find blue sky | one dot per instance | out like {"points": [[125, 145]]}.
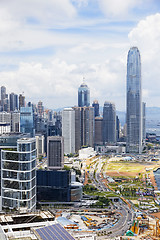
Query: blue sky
{"points": [[46, 47]]}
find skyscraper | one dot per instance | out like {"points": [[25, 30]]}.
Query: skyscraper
{"points": [[95, 104], [3, 96], [21, 101], [26, 121], [98, 131], [40, 109], [18, 189], [109, 123], [84, 127], [144, 121], [134, 102], [68, 130], [83, 96], [55, 152], [13, 98]]}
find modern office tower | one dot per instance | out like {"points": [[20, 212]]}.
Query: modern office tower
{"points": [[134, 102], [78, 127], [5, 117], [144, 121], [15, 121], [21, 101], [13, 99], [26, 121], [54, 185], [84, 127], [18, 172], [117, 128], [40, 144], [50, 115], [40, 109], [3, 96], [5, 122], [55, 152], [68, 130], [109, 123], [98, 130], [6, 105], [9, 140], [95, 104], [83, 96], [88, 124]]}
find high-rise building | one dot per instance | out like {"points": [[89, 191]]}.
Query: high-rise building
{"points": [[78, 127], [109, 123], [3, 96], [84, 127], [21, 101], [88, 126], [40, 144], [134, 102], [18, 172], [50, 115], [144, 120], [5, 117], [26, 121], [98, 130], [117, 128], [54, 185], [55, 152], [40, 109], [95, 104], [13, 98], [83, 96], [15, 121], [68, 130], [5, 122]]}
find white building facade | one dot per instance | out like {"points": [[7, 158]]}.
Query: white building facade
{"points": [[18, 176], [40, 145], [68, 130]]}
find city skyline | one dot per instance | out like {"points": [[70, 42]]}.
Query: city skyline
{"points": [[47, 51]]}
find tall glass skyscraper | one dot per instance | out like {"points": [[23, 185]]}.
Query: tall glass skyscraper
{"points": [[27, 121], [83, 96], [109, 123], [134, 102]]}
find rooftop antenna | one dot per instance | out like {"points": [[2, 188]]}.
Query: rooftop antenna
{"points": [[83, 79]]}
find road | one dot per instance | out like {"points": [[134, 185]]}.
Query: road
{"points": [[127, 214]]}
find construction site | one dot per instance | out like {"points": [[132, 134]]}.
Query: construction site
{"points": [[80, 224], [144, 227]]}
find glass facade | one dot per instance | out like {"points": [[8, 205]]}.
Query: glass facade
{"points": [[26, 121], [134, 102], [83, 96], [18, 170], [53, 185], [109, 123]]}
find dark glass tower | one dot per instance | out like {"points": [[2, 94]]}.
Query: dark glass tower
{"points": [[109, 123], [27, 121], [95, 104], [134, 101], [13, 98], [83, 96]]}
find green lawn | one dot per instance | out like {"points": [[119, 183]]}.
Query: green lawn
{"points": [[124, 167]]}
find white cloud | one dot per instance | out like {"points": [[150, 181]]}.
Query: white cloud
{"points": [[118, 7], [80, 3], [42, 11], [58, 83]]}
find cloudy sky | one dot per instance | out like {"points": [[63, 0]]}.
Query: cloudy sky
{"points": [[48, 46]]}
